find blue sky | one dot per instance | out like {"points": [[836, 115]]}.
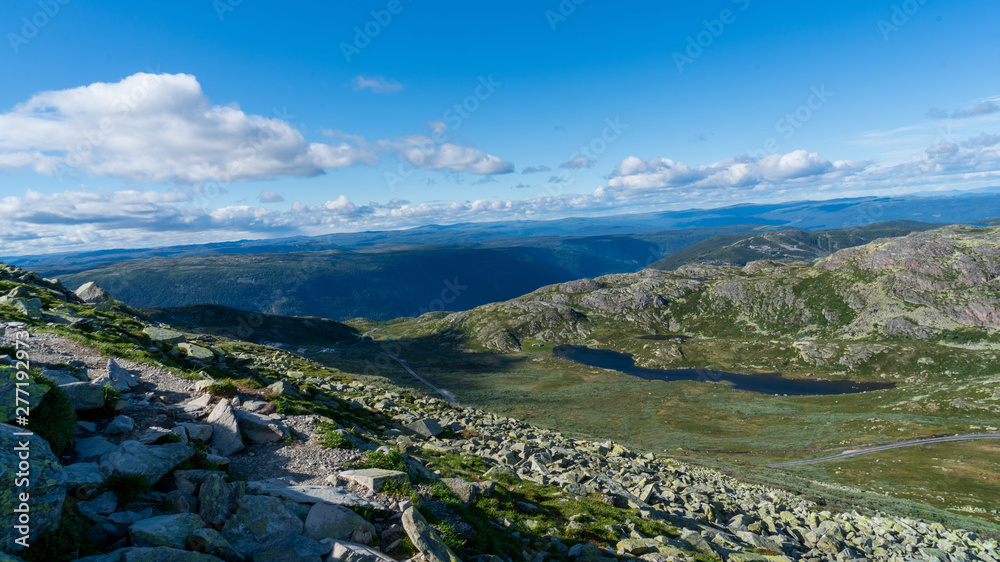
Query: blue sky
{"points": [[225, 120]]}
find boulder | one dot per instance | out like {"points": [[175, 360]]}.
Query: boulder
{"points": [[313, 494], [90, 293], [374, 478], [193, 351], [344, 551], [84, 395], [98, 507], [90, 447], [32, 308], [426, 539], [291, 547], [189, 481], [33, 392], [163, 335], [210, 541], [259, 520], [334, 522], [120, 378], [144, 554], [217, 499], [165, 530], [82, 473], [258, 428], [283, 388], [198, 431], [426, 428], [465, 491], [119, 425], [45, 484], [151, 461], [225, 429]]}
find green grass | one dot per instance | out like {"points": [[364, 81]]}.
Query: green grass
{"points": [[391, 460]]}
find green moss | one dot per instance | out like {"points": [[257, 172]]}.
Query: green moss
{"points": [[54, 419]]}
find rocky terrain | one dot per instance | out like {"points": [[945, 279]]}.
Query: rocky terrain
{"points": [[152, 443], [924, 285]]}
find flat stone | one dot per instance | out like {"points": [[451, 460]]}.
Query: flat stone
{"points": [[96, 508], [154, 462], [90, 447], [81, 473], [292, 548], [193, 351], [119, 425], [374, 478], [313, 494], [344, 551], [166, 530], [163, 335], [85, 395]]}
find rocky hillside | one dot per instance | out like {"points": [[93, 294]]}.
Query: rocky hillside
{"points": [[150, 443], [935, 284]]}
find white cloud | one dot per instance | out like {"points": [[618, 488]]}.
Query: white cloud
{"points": [[536, 169], [429, 154], [159, 128], [577, 163], [982, 108], [270, 197], [376, 84], [78, 220]]}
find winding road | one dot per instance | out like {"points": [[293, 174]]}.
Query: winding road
{"points": [[444, 393], [872, 449]]}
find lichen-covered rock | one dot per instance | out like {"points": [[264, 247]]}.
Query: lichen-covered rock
{"points": [[163, 335], [40, 476], [217, 499], [197, 352], [31, 394], [84, 395], [210, 541], [165, 530]]}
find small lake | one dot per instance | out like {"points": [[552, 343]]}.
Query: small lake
{"points": [[765, 383]]}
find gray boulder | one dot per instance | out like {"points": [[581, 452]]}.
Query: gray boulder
{"points": [[163, 335], [33, 393], [81, 473], [344, 551], [197, 431], [119, 425], [152, 461], [426, 428], [258, 428], [165, 530], [84, 395], [334, 522], [145, 554], [225, 429], [259, 520], [292, 547], [90, 447], [120, 378], [426, 539], [90, 293], [210, 541], [98, 507], [217, 499], [46, 486]]}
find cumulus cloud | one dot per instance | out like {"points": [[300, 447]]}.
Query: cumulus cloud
{"points": [[577, 163], [536, 169], [428, 153], [160, 128], [270, 197], [376, 84], [163, 128], [77, 220]]}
